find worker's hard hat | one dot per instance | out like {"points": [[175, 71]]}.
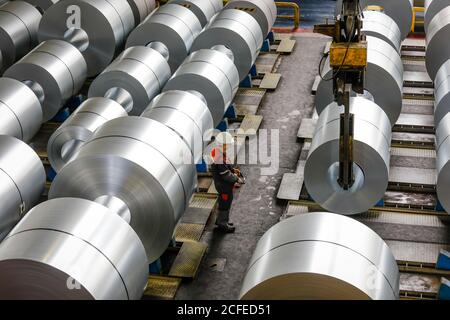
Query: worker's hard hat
{"points": [[224, 138]]}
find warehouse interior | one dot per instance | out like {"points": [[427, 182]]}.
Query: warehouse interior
{"points": [[332, 118]]}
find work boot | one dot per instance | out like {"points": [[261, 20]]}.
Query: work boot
{"points": [[227, 228], [222, 217]]}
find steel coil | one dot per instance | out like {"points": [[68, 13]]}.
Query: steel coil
{"points": [[22, 180], [173, 25], [384, 79], [438, 46], [371, 156], [321, 256], [204, 10], [379, 25], [442, 93], [115, 162], [432, 8], [399, 10], [185, 113], [264, 12], [20, 110], [42, 5], [19, 22], [443, 161], [79, 128], [57, 68], [211, 73], [236, 30], [141, 71], [94, 254], [141, 9], [104, 26]]}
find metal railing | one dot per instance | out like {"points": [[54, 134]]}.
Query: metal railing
{"points": [[415, 11]]}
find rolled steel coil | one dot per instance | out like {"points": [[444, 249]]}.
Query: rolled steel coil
{"points": [[187, 114], [371, 156], [153, 177], [57, 68], [42, 5], [443, 161], [79, 128], [20, 110], [321, 256], [94, 254], [213, 74], [239, 32], [379, 25], [103, 28], [442, 93], [264, 11], [19, 22], [173, 25], [203, 9], [383, 79], [141, 71], [432, 8], [141, 9], [399, 10], [438, 46], [22, 180]]}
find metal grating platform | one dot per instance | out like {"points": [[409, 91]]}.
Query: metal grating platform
{"points": [[401, 218], [250, 125], [410, 152], [426, 253], [414, 176], [162, 287], [265, 63], [188, 232], [203, 201], [247, 101], [188, 260]]}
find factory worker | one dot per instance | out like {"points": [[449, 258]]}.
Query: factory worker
{"points": [[226, 176]]}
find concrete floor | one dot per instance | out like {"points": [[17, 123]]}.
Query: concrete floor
{"points": [[255, 209]]}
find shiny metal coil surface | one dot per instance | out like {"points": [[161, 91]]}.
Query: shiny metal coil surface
{"points": [[141, 71], [443, 161], [438, 46], [211, 73], [186, 114], [371, 156], [19, 22], [380, 25], [321, 256], [22, 180], [173, 25], [79, 128], [104, 27], [239, 32], [384, 79], [204, 10], [72, 249], [399, 10], [264, 11], [126, 158], [57, 67], [432, 8], [20, 110]]}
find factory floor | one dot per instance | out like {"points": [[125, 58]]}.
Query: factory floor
{"points": [[255, 208]]}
